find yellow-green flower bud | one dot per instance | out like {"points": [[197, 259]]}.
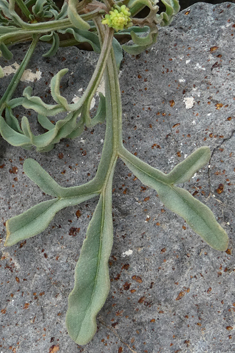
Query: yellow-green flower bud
{"points": [[118, 18]]}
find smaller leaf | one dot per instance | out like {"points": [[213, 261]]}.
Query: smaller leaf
{"points": [[13, 137], [30, 223], [77, 131], [5, 52], [12, 121], [172, 8], [36, 103], [101, 111], [136, 49], [196, 214], [36, 219], [55, 89], [63, 12], [74, 17], [15, 102], [46, 37], [4, 7], [84, 37], [40, 177], [118, 52], [186, 169], [54, 46], [26, 128], [45, 122], [38, 7], [136, 29], [143, 41]]}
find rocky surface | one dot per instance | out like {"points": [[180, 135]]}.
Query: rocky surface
{"points": [[170, 292]]}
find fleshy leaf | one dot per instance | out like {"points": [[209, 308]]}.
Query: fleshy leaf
{"points": [[26, 128], [172, 8], [38, 7], [136, 49], [77, 131], [117, 52], [36, 103], [5, 52], [74, 17], [186, 169], [40, 177], [55, 89], [101, 111], [91, 274], [36, 219], [196, 214], [12, 121], [54, 46], [13, 137], [45, 122], [84, 37]]}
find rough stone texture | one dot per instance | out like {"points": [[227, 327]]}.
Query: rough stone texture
{"points": [[170, 292]]}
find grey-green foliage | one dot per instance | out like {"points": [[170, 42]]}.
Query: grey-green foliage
{"points": [[91, 274]]}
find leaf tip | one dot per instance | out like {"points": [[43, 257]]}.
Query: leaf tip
{"points": [[7, 242]]}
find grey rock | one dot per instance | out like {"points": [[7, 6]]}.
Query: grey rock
{"points": [[170, 292]]}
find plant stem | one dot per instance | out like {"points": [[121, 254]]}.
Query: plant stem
{"points": [[17, 76], [113, 134], [99, 70], [23, 8]]}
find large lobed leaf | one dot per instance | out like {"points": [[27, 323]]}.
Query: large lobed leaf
{"points": [[92, 275], [196, 214]]}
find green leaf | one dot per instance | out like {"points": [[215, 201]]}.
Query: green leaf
{"points": [[196, 214], [33, 221], [15, 102], [84, 37], [136, 49], [5, 52], [117, 52], [12, 121], [38, 7], [101, 111], [54, 46], [61, 129], [186, 169], [4, 7], [36, 103], [74, 17], [172, 8], [63, 12], [55, 89], [144, 41], [78, 130], [36, 219], [91, 274], [65, 127], [13, 137], [7, 29], [45, 122], [26, 128], [40, 177], [136, 29]]}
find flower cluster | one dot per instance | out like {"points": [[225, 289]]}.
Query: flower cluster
{"points": [[118, 18]]}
